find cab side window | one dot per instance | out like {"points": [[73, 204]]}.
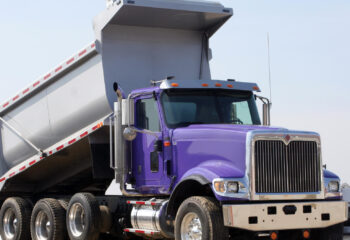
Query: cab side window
{"points": [[147, 115]]}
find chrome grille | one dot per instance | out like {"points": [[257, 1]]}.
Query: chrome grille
{"points": [[292, 168]]}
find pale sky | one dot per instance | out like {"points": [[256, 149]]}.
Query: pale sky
{"points": [[310, 57]]}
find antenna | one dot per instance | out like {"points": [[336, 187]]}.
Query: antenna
{"points": [[269, 64]]}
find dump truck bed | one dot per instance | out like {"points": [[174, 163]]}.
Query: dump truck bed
{"points": [[136, 41]]}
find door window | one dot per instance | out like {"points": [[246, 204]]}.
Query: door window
{"points": [[147, 115]]}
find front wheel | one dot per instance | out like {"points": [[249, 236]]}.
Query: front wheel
{"points": [[200, 218]]}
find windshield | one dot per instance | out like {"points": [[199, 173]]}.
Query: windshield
{"points": [[185, 107]]}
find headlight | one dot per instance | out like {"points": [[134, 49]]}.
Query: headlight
{"points": [[333, 186], [232, 187]]}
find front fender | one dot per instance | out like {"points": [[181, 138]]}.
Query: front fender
{"points": [[215, 169], [201, 177]]}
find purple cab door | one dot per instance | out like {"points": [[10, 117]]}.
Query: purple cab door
{"points": [[147, 148]]}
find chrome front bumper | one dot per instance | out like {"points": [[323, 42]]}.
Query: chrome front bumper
{"points": [[284, 216]]}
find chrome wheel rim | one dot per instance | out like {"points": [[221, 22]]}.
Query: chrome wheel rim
{"points": [[76, 220], [42, 226], [10, 224], [191, 227]]}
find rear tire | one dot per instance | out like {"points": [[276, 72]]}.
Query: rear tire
{"points": [[200, 218], [14, 219], [83, 217], [48, 220]]}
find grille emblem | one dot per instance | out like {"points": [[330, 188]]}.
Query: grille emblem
{"points": [[286, 139]]}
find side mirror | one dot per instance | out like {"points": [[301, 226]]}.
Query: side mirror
{"points": [[129, 134], [128, 114], [266, 110], [266, 114]]}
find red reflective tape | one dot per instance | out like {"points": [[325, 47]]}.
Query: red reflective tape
{"points": [[32, 162], [22, 168], [70, 60], [6, 104], [36, 84], [47, 76], [72, 141], [97, 126], [58, 69], [82, 53], [125, 230], [93, 45], [12, 174], [25, 91], [84, 134], [140, 203], [50, 152], [60, 147], [15, 98], [153, 203], [139, 231], [128, 202], [2, 179], [41, 158]]}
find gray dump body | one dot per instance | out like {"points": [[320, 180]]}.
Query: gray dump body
{"points": [[137, 41]]}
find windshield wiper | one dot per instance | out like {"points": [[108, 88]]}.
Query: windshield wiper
{"points": [[185, 124]]}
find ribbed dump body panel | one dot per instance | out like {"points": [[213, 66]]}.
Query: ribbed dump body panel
{"points": [[292, 168]]}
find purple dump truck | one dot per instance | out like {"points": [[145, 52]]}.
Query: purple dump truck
{"points": [[131, 138]]}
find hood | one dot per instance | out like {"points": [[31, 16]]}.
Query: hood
{"points": [[213, 150]]}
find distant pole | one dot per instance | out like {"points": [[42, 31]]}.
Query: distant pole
{"points": [[269, 64]]}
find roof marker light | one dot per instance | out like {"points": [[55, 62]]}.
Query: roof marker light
{"points": [[218, 85], [174, 84], [205, 84], [256, 88], [230, 85]]}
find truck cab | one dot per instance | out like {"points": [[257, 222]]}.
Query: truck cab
{"points": [[205, 138], [177, 116]]}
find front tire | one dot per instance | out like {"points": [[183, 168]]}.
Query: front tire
{"points": [[200, 218], [14, 218]]}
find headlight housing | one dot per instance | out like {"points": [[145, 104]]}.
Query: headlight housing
{"points": [[230, 187], [333, 186]]}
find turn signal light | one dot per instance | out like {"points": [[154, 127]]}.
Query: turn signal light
{"points": [[273, 236], [167, 144], [306, 234], [220, 187]]}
